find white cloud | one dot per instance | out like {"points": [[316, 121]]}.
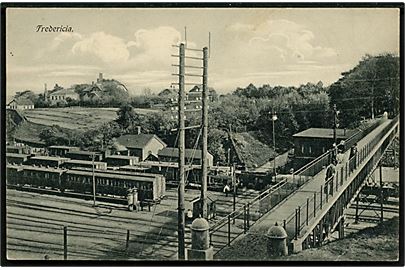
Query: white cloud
{"points": [[153, 47], [63, 38], [292, 42], [237, 27], [108, 48]]}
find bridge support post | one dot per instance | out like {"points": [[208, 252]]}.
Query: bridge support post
{"points": [[356, 219], [381, 195], [342, 228]]}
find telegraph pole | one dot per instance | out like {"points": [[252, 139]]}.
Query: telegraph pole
{"points": [[181, 217], [204, 166]]}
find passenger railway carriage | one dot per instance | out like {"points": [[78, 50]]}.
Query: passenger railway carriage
{"points": [[13, 173], [46, 161], [150, 187], [108, 183], [73, 164], [39, 177], [158, 180], [14, 158]]}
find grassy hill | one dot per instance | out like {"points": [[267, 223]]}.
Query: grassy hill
{"points": [[78, 118]]}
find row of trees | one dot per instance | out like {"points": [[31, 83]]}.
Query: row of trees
{"points": [[250, 109]]}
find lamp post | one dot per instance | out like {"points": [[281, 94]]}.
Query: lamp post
{"points": [[273, 119]]}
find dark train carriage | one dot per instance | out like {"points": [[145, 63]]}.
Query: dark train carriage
{"points": [[46, 161], [109, 183], [71, 164], [120, 160], [255, 180], [84, 155], [13, 158], [40, 177], [61, 150], [170, 171], [15, 149], [13, 173]]}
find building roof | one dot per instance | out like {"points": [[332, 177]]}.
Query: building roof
{"points": [[82, 152], [138, 140], [63, 91], [121, 157], [22, 101], [119, 147], [16, 155], [63, 147], [43, 169], [49, 158], [15, 147], [117, 176], [174, 152], [75, 161], [324, 133]]}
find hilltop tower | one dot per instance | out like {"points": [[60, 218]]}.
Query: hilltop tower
{"points": [[100, 78]]}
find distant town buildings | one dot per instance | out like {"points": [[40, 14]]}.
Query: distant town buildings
{"points": [[193, 101], [63, 95]]}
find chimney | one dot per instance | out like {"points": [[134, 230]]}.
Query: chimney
{"points": [[138, 130]]}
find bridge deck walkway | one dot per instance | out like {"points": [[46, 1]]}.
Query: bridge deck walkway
{"points": [[286, 209]]}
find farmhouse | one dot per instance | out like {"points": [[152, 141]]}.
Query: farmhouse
{"points": [[63, 95], [21, 104], [141, 145]]}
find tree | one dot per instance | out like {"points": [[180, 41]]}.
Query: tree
{"points": [[370, 88], [126, 116]]}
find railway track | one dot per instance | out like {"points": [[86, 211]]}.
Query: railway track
{"points": [[35, 227]]}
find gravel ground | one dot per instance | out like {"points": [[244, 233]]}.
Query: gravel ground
{"points": [[379, 243]]}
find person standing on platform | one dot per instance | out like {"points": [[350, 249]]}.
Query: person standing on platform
{"points": [[227, 189]]}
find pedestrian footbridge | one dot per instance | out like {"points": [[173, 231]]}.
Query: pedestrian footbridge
{"points": [[309, 207]]}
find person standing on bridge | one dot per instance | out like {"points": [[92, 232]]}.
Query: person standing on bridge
{"points": [[334, 152], [330, 176], [353, 157]]}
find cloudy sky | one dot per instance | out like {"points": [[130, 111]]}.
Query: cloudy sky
{"points": [[266, 45]]}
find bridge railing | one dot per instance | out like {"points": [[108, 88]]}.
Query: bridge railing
{"points": [[307, 211], [308, 171], [238, 222]]}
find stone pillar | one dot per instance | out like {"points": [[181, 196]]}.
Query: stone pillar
{"points": [[277, 241], [200, 241]]}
